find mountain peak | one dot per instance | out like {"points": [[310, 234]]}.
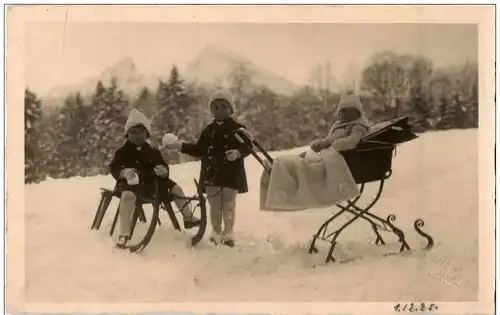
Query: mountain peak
{"points": [[124, 71], [222, 51], [215, 64], [123, 68]]}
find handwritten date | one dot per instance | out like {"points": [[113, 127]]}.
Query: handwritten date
{"points": [[415, 307]]}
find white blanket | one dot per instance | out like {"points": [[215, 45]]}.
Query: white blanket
{"points": [[297, 183]]}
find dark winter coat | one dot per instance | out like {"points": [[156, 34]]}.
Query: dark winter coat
{"points": [[143, 160], [216, 170]]}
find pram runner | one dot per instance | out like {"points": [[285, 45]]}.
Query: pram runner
{"points": [[369, 162]]}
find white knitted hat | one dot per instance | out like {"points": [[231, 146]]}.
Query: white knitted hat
{"points": [[350, 101], [223, 94], [136, 118]]}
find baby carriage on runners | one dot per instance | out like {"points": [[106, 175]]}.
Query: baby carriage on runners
{"points": [[158, 204], [369, 162]]}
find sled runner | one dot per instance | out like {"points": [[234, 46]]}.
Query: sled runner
{"points": [[157, 204], [369, 162]]}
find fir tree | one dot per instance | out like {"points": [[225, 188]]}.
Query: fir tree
{"points": [[420, 109], [110, 110], [32, 156], [145, 103], [173, 109], [50, 136], [474, 109], [73, 148]]}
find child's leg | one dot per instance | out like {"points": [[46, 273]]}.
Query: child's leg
{"points": [[183, 205], [127, 206], [214, 196], [228, 211], [190, 221]]}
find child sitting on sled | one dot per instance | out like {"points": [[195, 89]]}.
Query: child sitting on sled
{"points": [[134, 166], [222, 173], [348, 130]]}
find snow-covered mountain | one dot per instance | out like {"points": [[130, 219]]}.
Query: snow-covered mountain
{"points": [[125, 71], [213, 66]]}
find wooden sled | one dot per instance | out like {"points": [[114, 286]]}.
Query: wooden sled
{"points": [[158, 204]]}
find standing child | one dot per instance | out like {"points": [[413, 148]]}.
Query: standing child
{"points": [[134, 166], [348, 130], [222, 172]]}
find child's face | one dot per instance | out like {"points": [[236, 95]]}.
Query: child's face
{"points": [[137, 135], [348, 114], [221, 109]]}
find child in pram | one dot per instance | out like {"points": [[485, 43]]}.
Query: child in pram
{"points": [[348, 130]]}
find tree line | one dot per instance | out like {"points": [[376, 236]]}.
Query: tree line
{"points": [[80, 137]]}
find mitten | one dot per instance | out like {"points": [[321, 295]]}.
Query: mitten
{"points": [[318, 145], [130, 175], [233, 155], [311, 156], [161, 170], [127, 172]]}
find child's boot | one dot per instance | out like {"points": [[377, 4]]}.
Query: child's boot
{"points": [[191, 222], [227, 240], [216, 237], [122, 241]]}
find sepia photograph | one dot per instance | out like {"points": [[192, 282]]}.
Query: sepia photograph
{"points": [[170, 161]]}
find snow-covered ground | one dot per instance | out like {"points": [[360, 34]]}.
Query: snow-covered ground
{"points": [[434, 178]]}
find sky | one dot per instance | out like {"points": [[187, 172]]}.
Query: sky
{"points": [[61, 54]]}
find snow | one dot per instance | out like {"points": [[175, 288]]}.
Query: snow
{"points": [[434, 178]]}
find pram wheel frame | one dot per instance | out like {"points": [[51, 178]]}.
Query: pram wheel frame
{"points": [[377, 224]]}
